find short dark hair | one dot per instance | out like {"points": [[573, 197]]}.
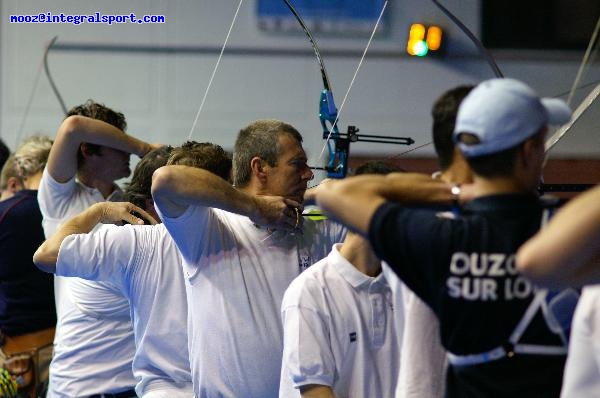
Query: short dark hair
{"points": [[444, 112], [4, 152], [499, 164], [376, 167], [203, 155], [259, 139], [101, 112], [138, 190]]}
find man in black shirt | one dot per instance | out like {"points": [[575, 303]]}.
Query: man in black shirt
{"points": [[495, 325]]}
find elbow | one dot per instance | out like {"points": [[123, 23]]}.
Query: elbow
{"points": [[44, 259], [526, 264], [537, 269], [71, 124], [162, 181]]}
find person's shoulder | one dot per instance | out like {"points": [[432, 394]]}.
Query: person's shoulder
{"points": [[143, 232], [21, 201], [324, 227], [156, 234], [308, 283], [48, 180], [313, 274]]}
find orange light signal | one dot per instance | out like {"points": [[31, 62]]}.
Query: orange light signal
{"points": [[416, 40], [422, 39]]}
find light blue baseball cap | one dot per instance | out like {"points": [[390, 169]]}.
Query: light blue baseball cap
{"points": [[502, 113]]}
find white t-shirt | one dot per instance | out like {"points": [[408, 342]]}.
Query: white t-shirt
{"points": [[236, 274], [425, 372], [93, 345], [340, 332], [582, 371], [144, 263]]}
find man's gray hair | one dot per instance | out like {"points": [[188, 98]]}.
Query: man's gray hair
{"points": [[259, 139]]}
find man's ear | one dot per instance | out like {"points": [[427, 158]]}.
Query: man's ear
{"points": [[85, 150], [258, 169], [14, 184], [532, 146]]}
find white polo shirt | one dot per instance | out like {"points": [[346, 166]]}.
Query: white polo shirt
{"points": [[582, 371], [425, 372], [93, 345], [339, 331]]}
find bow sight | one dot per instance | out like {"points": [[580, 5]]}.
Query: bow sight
{"points": [[338, 144]]}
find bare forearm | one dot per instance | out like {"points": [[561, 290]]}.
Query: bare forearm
{"points": [[568, 248], [174, 188], [46, 255], [316, 391], [353, 201], [62, 162], [415, 188]]}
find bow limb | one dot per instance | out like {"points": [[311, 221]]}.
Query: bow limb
{"points": [[324, 76], [327, 109], [585, 104], [473, 38], [328, 113], [38, 74], [586, 57], [49, 76], [490, 60]]}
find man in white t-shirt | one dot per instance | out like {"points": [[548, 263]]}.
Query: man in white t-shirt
{"points": [[144, 263], [422, 352], [340, 325], [93, 345], [241, 247]]}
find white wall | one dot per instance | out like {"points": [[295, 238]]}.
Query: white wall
{"points": [[160, 93]]}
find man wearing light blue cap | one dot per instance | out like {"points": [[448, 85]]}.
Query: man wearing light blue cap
{"points": [[501, 113], [502, 336]]}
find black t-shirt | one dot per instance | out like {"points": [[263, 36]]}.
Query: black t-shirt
{"points": [[26, 293], [464, 269]]}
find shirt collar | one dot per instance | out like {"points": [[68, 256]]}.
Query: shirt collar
{"points": [[115, 196], [514, 202], [349, 272]]}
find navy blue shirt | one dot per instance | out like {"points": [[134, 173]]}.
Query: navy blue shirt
{"points": [[464, 269], [26, 293]]}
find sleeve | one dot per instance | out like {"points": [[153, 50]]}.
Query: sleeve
{"points": [[104, 255], [337, 232], [54, 197], [188, 229], [583, 361], [307, 354], [329, 232], [422, 349]]}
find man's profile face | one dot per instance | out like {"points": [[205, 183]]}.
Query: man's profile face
{"points": [[114, 163], [291, 174]]}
